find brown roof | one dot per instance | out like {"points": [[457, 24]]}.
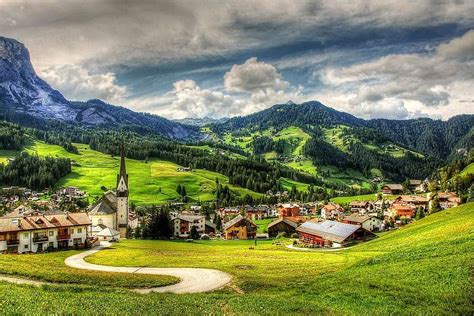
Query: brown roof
{"points": [[236, 220], [394, 186], [40, 221], [413, 199], [284, 220], [358, 203], [356, 218]]}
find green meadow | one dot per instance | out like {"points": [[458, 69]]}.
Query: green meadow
{"points": [[422, 268], [152, 182]]}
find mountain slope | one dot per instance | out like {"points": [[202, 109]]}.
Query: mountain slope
{"points": [[24, 95]]}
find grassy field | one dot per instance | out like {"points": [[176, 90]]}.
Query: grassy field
{"points": [[423, 268], [154, 182], [366, 197], [468, 169], [262, 224]]}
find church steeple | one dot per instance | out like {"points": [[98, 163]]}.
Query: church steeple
{"points": [[122, 177]]}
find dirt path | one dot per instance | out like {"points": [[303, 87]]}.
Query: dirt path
{"points": [[193, 280]]}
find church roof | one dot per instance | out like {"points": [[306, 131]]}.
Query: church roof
{"points": [[106, 205]]}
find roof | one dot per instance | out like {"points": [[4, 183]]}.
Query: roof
{"points": [[40, 221], [210, 224], [394, 186], [236, 220], [331, 207], [329, 230], [356, 218], [108, 232], [413, 198], [106, 205], [189, 218], [358, 203], [283, 220], [415, 182]]}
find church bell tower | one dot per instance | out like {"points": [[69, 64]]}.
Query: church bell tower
{"points": [[122, 196]]}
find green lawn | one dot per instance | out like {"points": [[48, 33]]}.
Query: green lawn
{"points": [[262, 224], [366, 197], [422, 268], [154, 182]]}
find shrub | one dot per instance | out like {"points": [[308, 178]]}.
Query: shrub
{"points": [[294, 235]]}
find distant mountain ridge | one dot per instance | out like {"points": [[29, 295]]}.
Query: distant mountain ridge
{"points": [[23, 93], [201, 121]]}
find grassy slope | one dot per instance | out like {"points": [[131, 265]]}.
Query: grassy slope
{"points": [[366, 197], [468, 169], [423, 268], [97, 169]]}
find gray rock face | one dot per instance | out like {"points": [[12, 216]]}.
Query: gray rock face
{"points": [[23, 90]]}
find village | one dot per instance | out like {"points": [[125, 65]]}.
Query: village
{"points": [[36, 225]]}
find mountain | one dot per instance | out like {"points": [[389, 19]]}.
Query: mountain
{"points": [[25, 97], [201, 121]]}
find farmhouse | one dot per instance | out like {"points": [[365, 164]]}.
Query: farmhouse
{"points": [[407, 211], [370, 223], [240, 228], [183, 223], [412, 200], [112, 208], [413, 184], [392, 188], [33, 231], [282, 225], [331, 233]]}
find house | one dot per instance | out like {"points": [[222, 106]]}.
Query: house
{"points": [[392, 188], [34, 231], [370, 223], [413, 184], [255, 213], [360, 207], [283, 225], [183, 223], [412, 200], [240, 228], [112, 208], [407, 211], [448, 199], [331, 233], [228, 211], [288, 209], [331, 211]]}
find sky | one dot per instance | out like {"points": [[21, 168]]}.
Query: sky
{"points": [[374, 59]]}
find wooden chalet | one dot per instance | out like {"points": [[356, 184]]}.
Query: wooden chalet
{"points": [[289, 210], [284, 225], [392, 189], [240, 228], [367, 222], [331, 233]]}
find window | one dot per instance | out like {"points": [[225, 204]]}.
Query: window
{"points": [[26, 235], [51, 233], [79, 230], [72, 231], [26, 246]]}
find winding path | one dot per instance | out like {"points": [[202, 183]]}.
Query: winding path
{"points": [[193, 280]]}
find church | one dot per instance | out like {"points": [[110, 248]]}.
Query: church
{"points": [[111, 211]]}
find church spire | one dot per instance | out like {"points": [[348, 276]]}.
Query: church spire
{"points": [[122, 177]]}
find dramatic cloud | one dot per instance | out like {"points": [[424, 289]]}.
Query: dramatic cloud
{"points": [[431, 79], [253, 76], [76, 83]]}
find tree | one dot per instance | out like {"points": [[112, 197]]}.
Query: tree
{"points": [[194, 233], [218, 223]]}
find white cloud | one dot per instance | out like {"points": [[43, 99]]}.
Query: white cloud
{"points": [[252, 76], [76, 83], [434, 80]]}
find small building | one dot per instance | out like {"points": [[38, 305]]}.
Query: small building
{"points": [[282, 225], [448, 199], [413, 184], [392, 188], [289, 209], [370, 223], [108, 234], [240, 228], [407, 211], [360, 206], [412, 200], [331, 211], [331, 233]]}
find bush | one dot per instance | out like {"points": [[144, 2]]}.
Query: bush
{"points": [[294, 235]]}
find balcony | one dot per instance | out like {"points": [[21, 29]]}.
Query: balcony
{"points": [[63, 236], [40, 238], [12, 242]]}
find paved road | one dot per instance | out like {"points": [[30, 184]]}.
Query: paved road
{"points": [[193, 280]]}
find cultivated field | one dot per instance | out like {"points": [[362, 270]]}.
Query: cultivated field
{"points": [[423, 268]]}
